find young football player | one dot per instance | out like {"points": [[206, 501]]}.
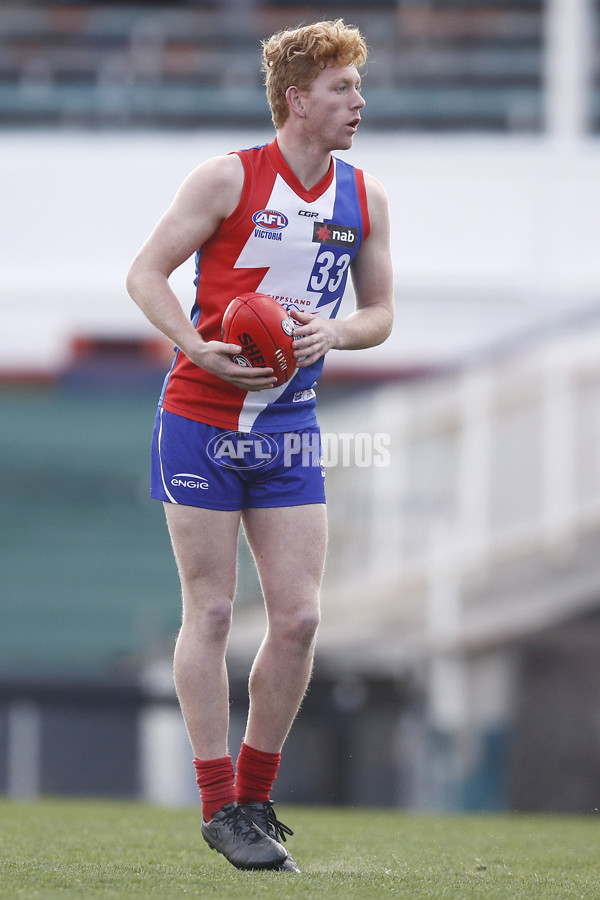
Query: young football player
{"points": [[290, 220]]}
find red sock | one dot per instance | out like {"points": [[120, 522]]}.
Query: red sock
{"points": [[256, 773], [215, 779]]}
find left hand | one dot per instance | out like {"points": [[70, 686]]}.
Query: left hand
{"points": [[313, 337]]}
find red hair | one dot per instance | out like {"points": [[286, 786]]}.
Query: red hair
{"points": [[294, 57]]}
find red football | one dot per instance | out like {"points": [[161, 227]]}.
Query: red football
{"points": [[264, 331]]}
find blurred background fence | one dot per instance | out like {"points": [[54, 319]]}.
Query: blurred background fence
{"points": [[458, 663]]}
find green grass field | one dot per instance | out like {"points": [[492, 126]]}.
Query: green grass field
{"points": [[80, 849]]}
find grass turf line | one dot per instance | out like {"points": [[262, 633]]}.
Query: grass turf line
{"points": [[115, 850]]}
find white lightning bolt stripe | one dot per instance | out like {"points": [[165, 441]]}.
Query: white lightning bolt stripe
{"points": [[290, 261]]}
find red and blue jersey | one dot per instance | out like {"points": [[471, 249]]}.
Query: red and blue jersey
{"points": [[282, 240]]}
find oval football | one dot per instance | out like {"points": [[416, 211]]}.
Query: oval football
{"points": [[264, 331]]}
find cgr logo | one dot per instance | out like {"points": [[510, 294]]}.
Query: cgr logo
{"points": [[188, 480], [270, 219]]}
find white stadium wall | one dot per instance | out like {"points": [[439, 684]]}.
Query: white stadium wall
{"points": [[490, 235]]}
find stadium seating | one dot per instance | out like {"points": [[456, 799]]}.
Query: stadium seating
{"points": [[447, 64]]}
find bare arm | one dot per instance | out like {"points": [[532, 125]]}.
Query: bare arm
{"points": [[371, 322], [206, 197]]}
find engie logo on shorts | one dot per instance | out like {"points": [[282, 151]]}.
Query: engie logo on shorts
{"points": [[235, 450], [189, 480]]}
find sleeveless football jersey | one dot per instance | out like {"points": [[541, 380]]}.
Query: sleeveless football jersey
{"points": [[282, 240]]}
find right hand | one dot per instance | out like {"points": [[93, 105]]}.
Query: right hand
{"points": [[217, 358]]}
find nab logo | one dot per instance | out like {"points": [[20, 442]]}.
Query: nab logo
{"points": [[337, 235], [270, 219]]}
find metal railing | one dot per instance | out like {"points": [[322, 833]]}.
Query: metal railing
{"points": [[493, 472]]}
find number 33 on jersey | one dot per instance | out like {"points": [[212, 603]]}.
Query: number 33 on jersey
{"points": [[296, 245], [305, 240]]}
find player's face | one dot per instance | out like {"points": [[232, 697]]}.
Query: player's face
{"points": [[333, 106]]}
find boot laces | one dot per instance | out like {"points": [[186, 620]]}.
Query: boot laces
{"points": [[274, 828], [241, 825]]}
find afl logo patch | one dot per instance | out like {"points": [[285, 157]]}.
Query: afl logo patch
{"points": [[233, 450], [288, 326], [270, 219]]}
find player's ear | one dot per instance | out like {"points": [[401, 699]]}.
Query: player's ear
{"points": [[295, 101]]}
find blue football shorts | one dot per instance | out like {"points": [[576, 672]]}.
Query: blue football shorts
{"points": [[200, 465]]}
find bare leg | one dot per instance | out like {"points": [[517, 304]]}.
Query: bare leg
{"points": [[205, 546], [289, 546]]}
